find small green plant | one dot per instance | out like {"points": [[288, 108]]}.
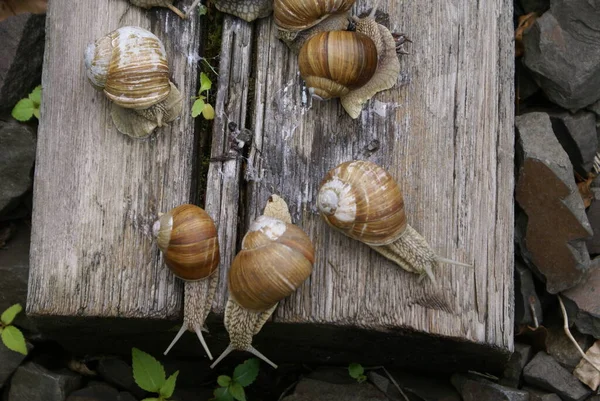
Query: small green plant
{"points": [[200, 106], [232, 388], [149, 374], [29, 107], [11, 336], [357, 372]]}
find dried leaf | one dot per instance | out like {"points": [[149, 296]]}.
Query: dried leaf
{"points": [[525, 21], [585, 372]]}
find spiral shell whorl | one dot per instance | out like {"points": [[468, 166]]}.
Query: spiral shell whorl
{"points": [[363, 201], [296, 15]]}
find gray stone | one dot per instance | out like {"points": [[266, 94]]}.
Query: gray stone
{"points": [[191, 394], [125, 396], [316, 390], [94, 393], [564, 61], [11, 360], [422, 387], [479, 389], [579, 17], [14, 273], [544, 372], [17, 154], [595, 107], [514, 368], [539, 395], [586, 298], [577, 135], [560, 347], [21, 57], [526, 299], [557, 227], [120, 374], [593, 215], [32, 382]]}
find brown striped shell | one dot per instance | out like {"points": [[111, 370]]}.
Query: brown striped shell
{"points": [[362, 200], [334, 63], [296, 15], [187, 237], [275, 259], [130, 66]]}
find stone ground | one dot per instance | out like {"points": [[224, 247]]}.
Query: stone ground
{"points": [[557, 237]]}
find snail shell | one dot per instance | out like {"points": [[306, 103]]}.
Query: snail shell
{"points": [[296, 15], [187, 237], [334, 63], [363, 201], [275, 259]]}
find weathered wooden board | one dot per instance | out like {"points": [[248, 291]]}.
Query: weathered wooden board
{"points": [[445, 132], [97, 192]]}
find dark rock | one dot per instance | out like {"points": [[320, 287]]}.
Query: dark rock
{"points": [[120, 374], [586, 297], [526, 299], [191, 394], [577, 135], [17, 154], [32, 382], [125, 396], [95, 393], [514, 368], [315, 390], [422, 387], [538, 6], [544, 372], [565, 61], [332, 375], [539, 395], [578, 17], [560, 347], [11, 360], [593, 215], [526, 84], [477, 390], [21, 57], [14, 273], [595, 107], [554, 239]]}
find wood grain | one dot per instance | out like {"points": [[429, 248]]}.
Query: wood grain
{"points": [[97, 192], [445, 132]]}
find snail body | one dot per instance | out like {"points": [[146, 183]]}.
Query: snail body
{"points": [[187, 237], [158, 3], [248, 10], [129, 65], [275, 259], [364, 202]]}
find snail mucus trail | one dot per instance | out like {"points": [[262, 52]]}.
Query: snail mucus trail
{"points": [[275, 259], [363, 201], [187, 237]]}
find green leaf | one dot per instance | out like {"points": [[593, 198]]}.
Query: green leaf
{"points": [[223, 380], [197, 107], [152, 399], [208, 112], [148, 373], [9, 315], [36, 113], [245, 373], [361, 378], [167, 389], [36, 95], [202, 10], [23, 110], [14, 340], [223, 394], [237, 391], [205, 83], [355, 370]]}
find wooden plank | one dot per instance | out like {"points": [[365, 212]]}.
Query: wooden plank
{"points": [[445, 132], [97, 192]]}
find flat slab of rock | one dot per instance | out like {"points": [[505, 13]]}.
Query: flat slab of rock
{"points": [[563, 52], [586, 297], [425, 388], [593, 215], [539, 395], [514, 368], [315, 390], [11, 360], [577, 135], [544, 372], [477, 390], [32, 382], [557, 227]]}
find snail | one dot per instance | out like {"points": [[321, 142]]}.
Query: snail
{"points": [[158, 3], [248, 10], [363, 201], [129, 65], [187, 238], [325, 50], [275, 259]]}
